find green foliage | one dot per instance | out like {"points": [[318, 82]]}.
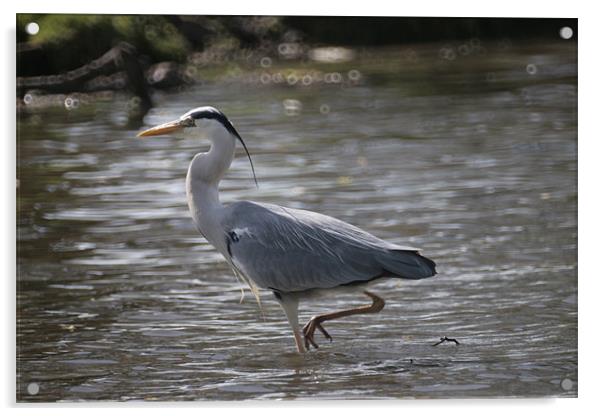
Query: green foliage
{"points": [[74, 39], [154, 34], [58, 28]]}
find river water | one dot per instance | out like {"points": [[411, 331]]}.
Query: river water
{"points": [[467, 151]]}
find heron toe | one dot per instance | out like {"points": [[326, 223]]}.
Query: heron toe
{"points": [[310, 328]]}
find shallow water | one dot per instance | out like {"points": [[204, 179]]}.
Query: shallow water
{"points": [[473, 159]]}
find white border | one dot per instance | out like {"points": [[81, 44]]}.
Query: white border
{"points": [[466, 8], [590, 70]]}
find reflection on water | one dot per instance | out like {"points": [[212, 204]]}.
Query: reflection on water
{"points": [[472, 158]]}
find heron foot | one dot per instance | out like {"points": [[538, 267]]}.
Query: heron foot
{"points": [[310, 328], [316, 322]]}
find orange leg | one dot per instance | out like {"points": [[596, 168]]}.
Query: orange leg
{"points": [[316, 322]]}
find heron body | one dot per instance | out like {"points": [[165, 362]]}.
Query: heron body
{"points": [[294, 253]]}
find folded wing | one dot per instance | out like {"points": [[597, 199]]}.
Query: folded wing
{"points": [[294, 250]]}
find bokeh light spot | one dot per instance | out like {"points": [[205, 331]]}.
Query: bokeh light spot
{"points": [[292, 79], [265, 78], [531, 69], [71, 103], [277, 77], [354, 75], [292, 107], [306, 80], [265, 62]]}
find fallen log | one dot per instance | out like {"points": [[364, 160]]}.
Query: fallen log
{"points": [[121, 59]]}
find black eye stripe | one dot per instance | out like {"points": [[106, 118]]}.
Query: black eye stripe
{"points": [[217, 116]]}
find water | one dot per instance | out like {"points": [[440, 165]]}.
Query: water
{"points": [[473, 159]]}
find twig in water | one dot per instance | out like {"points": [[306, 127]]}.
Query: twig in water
{"points": [[446, 339]]}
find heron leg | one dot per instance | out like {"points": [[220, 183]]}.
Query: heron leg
{"points": [[315, 322], [290, 305], [298, 340]]}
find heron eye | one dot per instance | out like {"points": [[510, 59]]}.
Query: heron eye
{"points": [[234, 236], [189, 122]]}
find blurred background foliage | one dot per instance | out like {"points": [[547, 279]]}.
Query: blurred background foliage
{"points": [[66, 41], [92, 54]]}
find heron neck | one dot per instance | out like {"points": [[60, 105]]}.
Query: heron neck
{"points": [[216, 162], [206, 170]]}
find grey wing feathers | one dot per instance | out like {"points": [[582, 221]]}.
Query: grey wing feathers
{"points": [[293, 250], [408, 264]]}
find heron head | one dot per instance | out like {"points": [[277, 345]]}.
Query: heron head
{"points": [[200, 122]]}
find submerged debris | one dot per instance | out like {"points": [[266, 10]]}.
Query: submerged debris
{"points": [[446, 339]]}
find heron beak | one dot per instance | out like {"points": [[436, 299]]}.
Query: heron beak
{"points": [[162, 129]]}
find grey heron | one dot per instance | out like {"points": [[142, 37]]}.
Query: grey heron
{"points": [[294, 253]]}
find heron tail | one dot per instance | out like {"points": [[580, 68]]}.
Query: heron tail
{"points": [[408, 264]]}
